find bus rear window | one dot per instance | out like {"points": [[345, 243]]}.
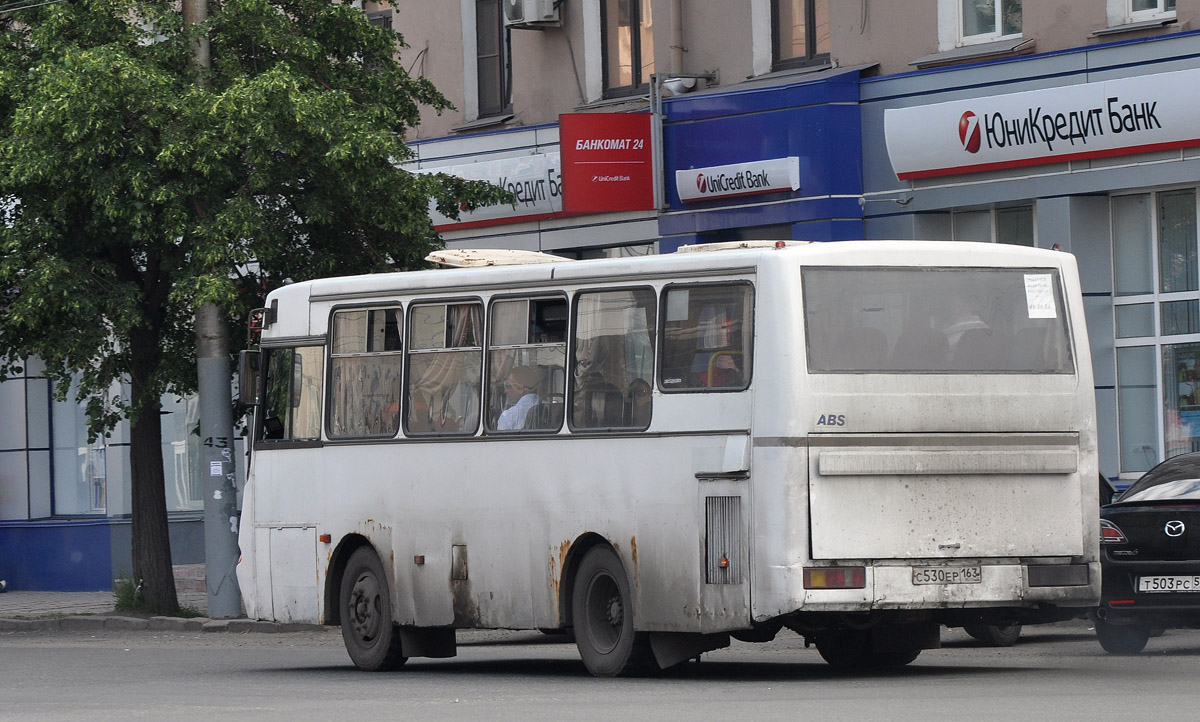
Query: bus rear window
{"points": [[935, 320]]}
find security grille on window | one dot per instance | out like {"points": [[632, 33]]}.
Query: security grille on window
{"points": [[800, 32], [628, 40]]}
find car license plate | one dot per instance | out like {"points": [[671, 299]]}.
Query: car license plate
{"points": [[1169, 583], [947, 575]]}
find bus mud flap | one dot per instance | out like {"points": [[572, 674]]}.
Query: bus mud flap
{"points": [[671, 648]]}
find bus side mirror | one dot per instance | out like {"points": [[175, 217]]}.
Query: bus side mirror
{"points": [[248, 366]]}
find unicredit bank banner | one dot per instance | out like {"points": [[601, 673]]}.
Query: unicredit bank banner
{"points": [[535, 180], [1091, 120], [738, 179]]}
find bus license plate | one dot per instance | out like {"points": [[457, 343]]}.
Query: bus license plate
{"points": [[1169, 583], [947, 575]]}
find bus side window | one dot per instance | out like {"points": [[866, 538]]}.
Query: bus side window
{"points": [[292, 402], [527, 353], [707, 333], [445, 359], [613, 354], [365, 366]]}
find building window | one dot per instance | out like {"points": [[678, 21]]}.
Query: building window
{"points": [[800, 32], [628, 40], [982, 21], [492, 59], [1012, 225], [1149, 9], [1156, 282], [80, 466]]}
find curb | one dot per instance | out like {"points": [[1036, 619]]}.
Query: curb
{"points": [[169, 624]]}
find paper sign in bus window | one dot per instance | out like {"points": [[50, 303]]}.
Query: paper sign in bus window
{"points": [[1039, 295]]}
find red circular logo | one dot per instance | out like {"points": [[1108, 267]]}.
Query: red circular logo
{"points": [[701, 183], [968, 132]]}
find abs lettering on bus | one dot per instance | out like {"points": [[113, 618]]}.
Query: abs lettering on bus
{"points": [[831, 420]]}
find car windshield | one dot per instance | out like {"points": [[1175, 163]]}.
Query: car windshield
{"points": [[1176, 479]]}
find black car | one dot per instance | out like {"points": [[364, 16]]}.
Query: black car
{"points": [[1150, 561]]}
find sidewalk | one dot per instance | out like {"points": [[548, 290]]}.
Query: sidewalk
{"points": [[55, 611]]}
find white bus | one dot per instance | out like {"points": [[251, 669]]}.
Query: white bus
{"points": [[855, 441]]}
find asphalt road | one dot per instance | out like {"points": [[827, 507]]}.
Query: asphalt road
{"points": [[1055, 672]]}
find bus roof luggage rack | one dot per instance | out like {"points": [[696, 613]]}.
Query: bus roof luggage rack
{"points": [[480, 257], [732, 245]]}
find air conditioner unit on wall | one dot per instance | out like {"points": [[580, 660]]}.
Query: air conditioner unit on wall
{"points": [[530, 13]]}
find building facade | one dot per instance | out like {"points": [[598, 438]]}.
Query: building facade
{"points": [[635, 126]]}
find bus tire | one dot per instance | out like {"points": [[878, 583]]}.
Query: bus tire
{"points": [[602, 614], [995, 635], [371, 638], [1122, 638], [846, 649]]}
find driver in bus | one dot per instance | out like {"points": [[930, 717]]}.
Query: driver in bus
{"points": [[520, 392]]}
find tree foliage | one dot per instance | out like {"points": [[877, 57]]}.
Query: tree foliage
{"points": [[135, 186]]}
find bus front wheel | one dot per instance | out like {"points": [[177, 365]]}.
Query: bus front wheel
{"points": [[371, 639], [602, 614]]}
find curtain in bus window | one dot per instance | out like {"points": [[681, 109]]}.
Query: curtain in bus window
{"points": [[445, 380], [614, 356], [935, 320], [365, 373], [526, 363]]}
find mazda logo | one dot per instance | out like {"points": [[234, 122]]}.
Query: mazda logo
{"points": [[1174, 528]]}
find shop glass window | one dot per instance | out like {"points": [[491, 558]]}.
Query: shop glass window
{"points": [[1180, 317], [1138, 408], [1015, 226], [1133, 236], [800, 32], [365, 372], [1177, 242], [527, 355], [292, 398], [445, 363], [80, 471], [1181, 398], [984, 20], [492, 59], [1135, 320], [627, 28], [707, 337], [612, 369], [181, 452]]}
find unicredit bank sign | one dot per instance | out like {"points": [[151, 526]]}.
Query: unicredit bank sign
{"points": [[738, 179], [1092, 120]]}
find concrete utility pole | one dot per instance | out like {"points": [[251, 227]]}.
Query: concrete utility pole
{"points": [[216, 422]]}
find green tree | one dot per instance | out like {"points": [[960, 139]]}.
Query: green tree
{"points": [[133, 189]]}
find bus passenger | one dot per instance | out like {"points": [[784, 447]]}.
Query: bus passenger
{"points": [[520, 390]]}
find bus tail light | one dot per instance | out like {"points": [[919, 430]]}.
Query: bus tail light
{"points": [[835, 577], [1110, 533]]}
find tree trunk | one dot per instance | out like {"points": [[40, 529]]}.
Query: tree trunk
{"points": [[151, 535]]}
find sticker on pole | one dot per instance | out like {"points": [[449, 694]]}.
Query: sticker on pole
{"points": [[214, 468], [1039, 295]]}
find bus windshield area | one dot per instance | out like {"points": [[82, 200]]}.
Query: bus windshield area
{"points": [[935, 320]]}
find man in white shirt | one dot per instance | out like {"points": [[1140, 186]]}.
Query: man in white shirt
{"points": [[520, 392]]}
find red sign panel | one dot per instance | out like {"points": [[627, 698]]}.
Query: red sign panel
{"points": [[607, 162]]}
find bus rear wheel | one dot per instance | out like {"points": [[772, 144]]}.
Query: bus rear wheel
{"points": [[370, 636], [602, 614]]}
